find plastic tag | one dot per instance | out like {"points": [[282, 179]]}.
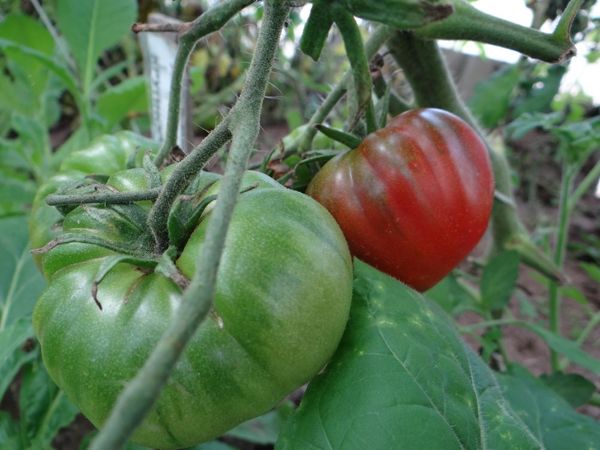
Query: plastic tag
{"points": [[159, 50]]}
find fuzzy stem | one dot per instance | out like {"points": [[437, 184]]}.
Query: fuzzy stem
{"points": [[139, 395], [179, 180], [559, 255], [427, 74], [468, 23], [375, 41], [113, 198], [594, 321], [209, 22], [582, 188]]}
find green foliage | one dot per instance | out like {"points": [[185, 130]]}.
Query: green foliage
{"points": [[574, 388], [401, 365], [90, 27], [492, 98], [499, 280], [549, 417]]}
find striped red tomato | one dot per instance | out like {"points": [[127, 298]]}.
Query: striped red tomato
{"points": [[414, 198]]}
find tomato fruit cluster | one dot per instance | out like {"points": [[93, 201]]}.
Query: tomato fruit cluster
{"points": [[282, 301], [413, 198]]}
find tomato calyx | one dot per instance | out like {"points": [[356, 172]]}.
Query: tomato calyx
{"points": [[348, 139]]}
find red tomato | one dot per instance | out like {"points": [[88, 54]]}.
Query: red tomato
{"points": [[413, 198]]}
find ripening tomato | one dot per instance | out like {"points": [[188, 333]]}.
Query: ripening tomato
{"points": [[282, 300], [413, 198]]}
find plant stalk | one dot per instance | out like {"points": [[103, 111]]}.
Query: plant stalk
{"points": [[140, 394], [212, 20], [468, 23], [113, 198], [373, 44], [559, 255]]}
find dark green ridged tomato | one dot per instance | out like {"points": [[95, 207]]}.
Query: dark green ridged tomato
{"points": [[282, 301]]}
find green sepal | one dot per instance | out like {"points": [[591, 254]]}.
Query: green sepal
{"points": [[181, 217], [316, 30], [152, 171], [349, 140], [167, 267], [180, 227], [109, 263]]}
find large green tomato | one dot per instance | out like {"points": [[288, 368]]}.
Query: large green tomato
{"points": [[282, 301]]}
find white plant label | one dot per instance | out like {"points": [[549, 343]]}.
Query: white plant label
{"points": [[159, 51]]}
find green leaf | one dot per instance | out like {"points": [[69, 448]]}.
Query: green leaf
{"points": [[540, 98], [452, 296], [214, 445], [118, 102], [16, 97], [402, 379], [57, 68], [491, 98], [9, 433], [548, 415], [574, 293], [20, 281], [264, 429], [574, 388], [592, 270], [91, 27], [11, 366], [566, 347], [499, 280], [27, 32], [11, 338], [44, 409], [16, 192]]}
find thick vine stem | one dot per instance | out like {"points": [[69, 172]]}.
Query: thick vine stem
{"points": [[426, 71], [113, 198], [468, 23], [140, 394], [185, 171], [209, 22]]}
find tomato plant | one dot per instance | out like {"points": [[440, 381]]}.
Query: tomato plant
{"points": [[413, 198], [104, 310]]}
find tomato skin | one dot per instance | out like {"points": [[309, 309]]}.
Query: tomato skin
{"points": [[282, 301], [413, 198]]}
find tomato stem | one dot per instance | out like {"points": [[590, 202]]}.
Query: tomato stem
{"points": [[209, 22], [468, 23], [112, 198], [304, 142], [139, 395]]}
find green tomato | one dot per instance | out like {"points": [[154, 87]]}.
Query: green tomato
{"points": [[282, 301]]}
